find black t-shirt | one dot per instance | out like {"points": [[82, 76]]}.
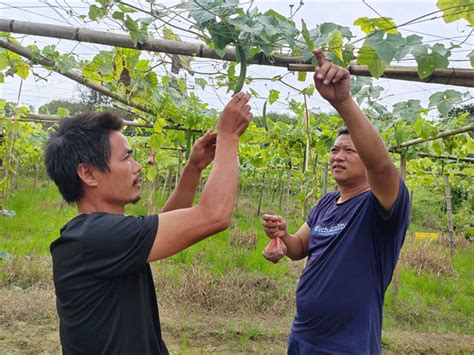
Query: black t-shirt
{"points": [[105, 295]]}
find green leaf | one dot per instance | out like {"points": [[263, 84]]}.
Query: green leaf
{"points": [[126, 9], [302, 76], [368, 25], [156, 140], [407, 110], [105, 62], [2, 78], [22, 69], [273, 96], [430, 58], [385, 45], [445, 100], [200, 82], [306, 36], [63, 112], [118, 15], [94, 12], [335, 43], [454, 10], [182, 86], [254, 93], [4, 60], [368, 56]]}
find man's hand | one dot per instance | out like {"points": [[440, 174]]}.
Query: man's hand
{"points": [[332, 81], [203, 151], [274, 226], [235, 117]]}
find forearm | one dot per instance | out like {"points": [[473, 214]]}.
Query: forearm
{"points": [[294, 247], [367, 140], [220, 191], [183, 194]]}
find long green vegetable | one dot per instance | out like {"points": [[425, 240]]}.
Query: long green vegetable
{"points": [[240, 52]]}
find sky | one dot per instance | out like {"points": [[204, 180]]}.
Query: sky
{"points": [[35, 91]]}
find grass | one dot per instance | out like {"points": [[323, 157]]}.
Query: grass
{"points": [[225, 276]]}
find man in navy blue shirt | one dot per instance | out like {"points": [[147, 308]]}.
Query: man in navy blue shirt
{"points": [[352, 237]]}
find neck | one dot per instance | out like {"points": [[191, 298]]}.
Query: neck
{"points": [[348, 192], [85, 206]]}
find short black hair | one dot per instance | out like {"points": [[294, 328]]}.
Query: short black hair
{"points": [[343, 130], [80, 139]]}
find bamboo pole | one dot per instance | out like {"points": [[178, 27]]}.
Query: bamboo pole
{"points": [[451, 76], [33, 117], [260, 198], [441, 135], [396, 272], [26, 53], [449, 211], [447, 157], [196, 49], [325, 186]]}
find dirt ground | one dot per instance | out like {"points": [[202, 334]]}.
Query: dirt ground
{"points": [[28, 325]]}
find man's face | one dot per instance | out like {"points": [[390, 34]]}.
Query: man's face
{"points": [[120, 185], [346, 166]]}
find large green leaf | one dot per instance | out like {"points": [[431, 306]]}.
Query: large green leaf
{"points": [[445, 100], [368, 56], [368, 25], [430, 58], [386, 45], [454, 10], [335, 43], [407, 110]]}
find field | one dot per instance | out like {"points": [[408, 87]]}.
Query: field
{"points": [[221, 296]]}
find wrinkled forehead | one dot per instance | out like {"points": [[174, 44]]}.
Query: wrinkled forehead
{"points": [[343, 140]]}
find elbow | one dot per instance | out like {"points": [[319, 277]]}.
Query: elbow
{"points": [[215, 218]]}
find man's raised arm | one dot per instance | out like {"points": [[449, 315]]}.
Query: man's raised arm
{"points": [[333, 83], [179, 229]]}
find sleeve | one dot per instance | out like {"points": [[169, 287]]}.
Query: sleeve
{"points": [[116, 245], [400, 211], [389, 231], [311, 216]]}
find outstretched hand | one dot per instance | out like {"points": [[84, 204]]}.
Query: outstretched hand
{"points": [[203, 151], [332, 81]]}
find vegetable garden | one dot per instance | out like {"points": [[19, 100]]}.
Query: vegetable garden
{"points": [[148, 70]]}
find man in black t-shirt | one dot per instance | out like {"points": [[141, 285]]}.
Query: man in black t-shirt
{"points": [[105, 296]]}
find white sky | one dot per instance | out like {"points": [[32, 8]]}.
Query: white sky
{"points": [[37, 92]]}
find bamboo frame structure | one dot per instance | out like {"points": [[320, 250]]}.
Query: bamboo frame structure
{"points": [[452, 76]]}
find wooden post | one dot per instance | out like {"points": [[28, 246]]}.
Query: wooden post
{"points": [[151, 192], [282, 186], [449, 211], [325, 186], [178, 173], [308, 134], [288, 190], [261, 194], [396, 272]]}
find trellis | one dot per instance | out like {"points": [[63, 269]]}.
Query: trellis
{"points": [[453, 76]]}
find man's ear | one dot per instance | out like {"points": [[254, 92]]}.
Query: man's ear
{"points": [[86, 174]]}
